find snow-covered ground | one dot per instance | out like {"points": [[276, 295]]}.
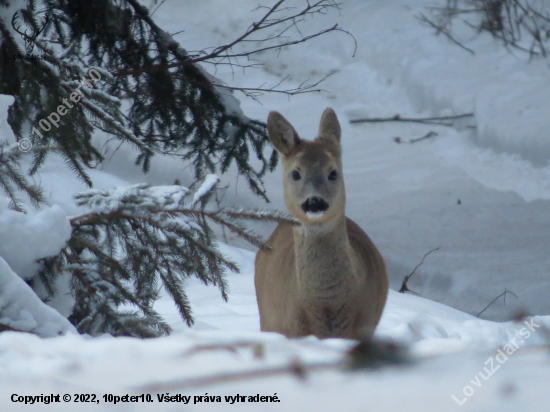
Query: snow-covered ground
{"points": [[406, 196], [225, 355]]}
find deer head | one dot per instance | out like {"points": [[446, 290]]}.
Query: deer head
{"points": [[312, 170], [29, 39]]}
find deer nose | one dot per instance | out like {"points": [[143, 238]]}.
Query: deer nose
{"points": [[314, 205]]}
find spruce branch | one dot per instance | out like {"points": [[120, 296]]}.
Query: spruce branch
{"points": [[135, 240], [12, 179]]}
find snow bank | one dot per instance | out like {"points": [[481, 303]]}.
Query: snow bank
{"points": [[21, 309], [27, 237], [410, 319]]}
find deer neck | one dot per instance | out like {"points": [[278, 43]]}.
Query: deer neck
{"points": [[323, 259]]}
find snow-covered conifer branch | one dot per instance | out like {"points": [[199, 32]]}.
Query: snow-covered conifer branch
{"points": [[12, 179], [134, 240]]}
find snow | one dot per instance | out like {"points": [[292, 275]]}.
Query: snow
{"points": [[225, 343], [404, 195], [21, 309], [27, 237], [209, 182], [232, 104], [142, 198]]}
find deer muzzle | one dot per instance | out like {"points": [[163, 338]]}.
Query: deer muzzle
{"points": [[314, 207]]}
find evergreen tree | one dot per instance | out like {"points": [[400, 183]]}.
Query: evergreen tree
{"points": [[176, 110], [82, 60]]}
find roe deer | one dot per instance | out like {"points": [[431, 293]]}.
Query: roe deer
{"points": [[325, 277]]}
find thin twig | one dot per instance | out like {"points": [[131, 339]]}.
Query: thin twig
{"points": [[505, 20], [255, 92], [495, 299], [219, 54], [404, 287], [423, 120], [431, 133], [158, 7], [426, 136], [441, 29]]}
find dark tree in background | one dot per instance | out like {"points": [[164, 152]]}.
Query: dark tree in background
{"points": [[109, 52]]}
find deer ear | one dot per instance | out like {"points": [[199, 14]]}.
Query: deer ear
{"points": [[329, 128], [281, 133]]}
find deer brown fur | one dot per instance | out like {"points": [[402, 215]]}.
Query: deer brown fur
{"points": [[325, 277]]}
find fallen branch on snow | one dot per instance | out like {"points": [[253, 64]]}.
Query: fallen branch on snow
{"points": [[426, 136], [424, 120]]}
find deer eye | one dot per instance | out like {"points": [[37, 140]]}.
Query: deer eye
{"points": [[332, 175], [296, 175]]}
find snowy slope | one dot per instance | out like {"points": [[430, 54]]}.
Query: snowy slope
{"points": [[404, 195]]}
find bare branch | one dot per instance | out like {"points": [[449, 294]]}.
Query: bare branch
{"points": [[424, 120], [495, 299], [426, 136], [264, 26], [444, 30], [404, 287], [505, 20], [255, 92], [272, 47], [210, 58]]}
